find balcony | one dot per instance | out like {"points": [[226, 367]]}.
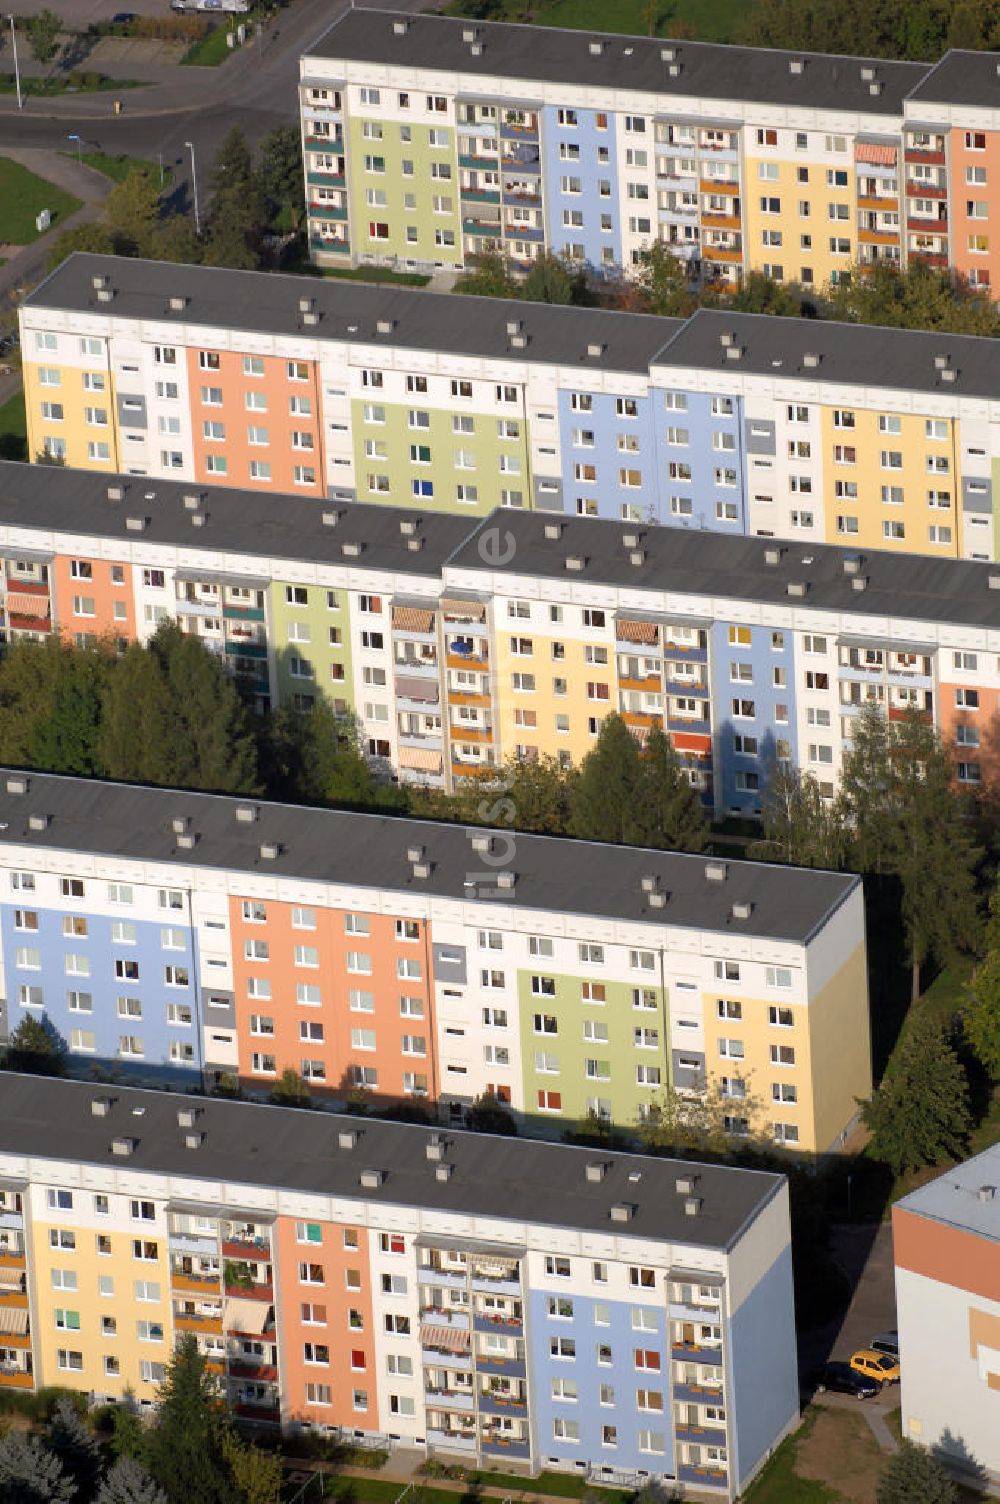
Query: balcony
{"points": [[451, 1279], [722, 222], [709, 1436], [524, 232], [507, 1326], [926, 190], [477, 734], [254, 1250], [337, 247], [928, 224], [326, 180], [878, 237], [466, 159], [435, 1316], [191, 1242], [702, 1477], [651, 684], [879, 203], [495, 1404], [265, 1373], [688, 723], [16, 1378], [698, 1394], [194, 1284], [721, 253], [494, 1447], [449, 1399], [489, 229], [509, 1368], [480, 195], [642, 720], [524, 197], [325, 143], [188, 1321], [462, 697], [250, 1291], [467, 658], [718, 185], [13, 1300], [524, 132], [12, 1260], [919, 154], [11, 1219], [452, 1441], [327, 211], [933, 258], [692, 1353], [494, 1286], [263, 1411], [18, 621]]}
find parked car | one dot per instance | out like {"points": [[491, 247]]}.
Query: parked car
{"points": [[841, 1378], [886, 1342], [123, 18], [879, 1366]]}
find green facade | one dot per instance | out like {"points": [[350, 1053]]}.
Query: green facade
{"points": [[330, 661], [402, 170], [415, 456], [617, 1054]]}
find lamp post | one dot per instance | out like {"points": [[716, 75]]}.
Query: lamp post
{"points": [[79, 146], [194, 189], [17, 71]]}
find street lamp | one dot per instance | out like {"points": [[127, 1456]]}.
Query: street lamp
{"points": [[194, 187], [17, 71], [79, 141]]}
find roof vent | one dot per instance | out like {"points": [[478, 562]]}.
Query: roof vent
{"points": [[993, 583], [179, 824], [726, 338], [734, 352], [631, 540], [408, 525], [716, 872], [853, 563], [187, 1116], [519, 341], [246, 814], [743, 909], [810, 359], [575, 562], [796, 65], [950, 374], [859, 582], [414, 853], [414, 545], [198, 519], [422, 869], [116, 493], [596, 1170], [347, 1138], [674, 69], [986, 1192], [482, 844], [192, 501], [106, 295], [596, 47], [269, 851], [553, 531], [384, 326], [434, 1148], [352, 550], [400, 27], [135, 524], [99, 281], [668, 54], [17, 784], [124, 1147], [685, 1184], [372, 1179], [194, 1139], [942, 362], [306, 305], [875, 88], [692, 1206], [650, 883], [514, 326], [469, 34], [637, 557], [622, 1211], [39, 822], [100, 1107], [772, 556], [506, 880], [796, 587], [330, 519], [657, 900], [443, 1171], [187, 840], [177, 303], [312, 317], [595, 351]]}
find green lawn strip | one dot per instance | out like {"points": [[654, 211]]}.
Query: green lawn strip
{"points": [[778, 1482], [375, 274], [118, 168], [560, 1485], [212, 50], [88, 83], [379, 1491], [22, 197]]}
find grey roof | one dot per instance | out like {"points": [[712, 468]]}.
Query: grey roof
{"points": [[961, 78], [370, 851], [685, 561], [864, 355], [245, 522], [558, 55], [268, 303], [953, 1198], [294, 1150]]}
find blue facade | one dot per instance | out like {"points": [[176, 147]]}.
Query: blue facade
{"points": [[700, 459], [764, 1396], [747, 745], [597, 171], [79, 978], [591, 1370], [598, 431]]}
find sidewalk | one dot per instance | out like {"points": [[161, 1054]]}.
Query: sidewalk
{"points": [[26, 266], [403, 1468]]}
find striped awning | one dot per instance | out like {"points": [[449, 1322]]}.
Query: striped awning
{"points": [[23, 604], [10, 1279], [500, 1268], [867, 151], [467, 610], [14, 1319], [637, 631], [412, 619], [426, 759], [449, 1338], [247, 1315]]}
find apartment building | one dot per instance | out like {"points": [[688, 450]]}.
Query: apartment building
{"points": [[730, 423], [171, 936], [948, 1312], [496, 1300], [459, 645], [428, 140]]}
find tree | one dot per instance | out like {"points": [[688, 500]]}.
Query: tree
{"points": [[487, 1114], [920, 1113], [175, 240], [213, 747], [280, 176], [65, 740], [30, 1473], [905, 820], [801, 827], [698, 1118], [29, 674], [662, 283], [607, 796], [235, 206], [132, 214], [550, 280], [129, 1435], [489, 278], [982, 1011], [134, 740], [186, 1447], [326, 765], [36, 1049], [91, 236], [73, 1442], [758, 293], [256, 1474], [127, 1482], [671, 807], [290, 1090], [919, 297], [43, 35], [532, 794], [913, 1476]]}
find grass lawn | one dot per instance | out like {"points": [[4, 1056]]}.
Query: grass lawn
{"points": [[833, 1458], [375, 274], [60, 83], [13, 429], [709, 20], [118, 168], [22, 196], [212, 50]]}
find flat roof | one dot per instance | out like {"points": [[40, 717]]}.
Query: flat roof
{"points": [[863, 355], [370, 851], [954, 1197], [255, 523], [558, 55], [691, 562], [268, 303], [252, 1144], [961, 77]]}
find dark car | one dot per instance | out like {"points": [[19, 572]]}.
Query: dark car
{"points": [[841, 1378], [123, 18]]}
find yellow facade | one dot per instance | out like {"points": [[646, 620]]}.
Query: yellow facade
{"points": [[81, 404], [838, 1048], [896, 461], [101, 1318], [816, 207], [574, 683]]}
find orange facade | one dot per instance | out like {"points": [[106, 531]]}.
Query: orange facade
{"points": [[256, 420], [343, 999], [967, 718], [975, 206], [325, 1309], [950, 1255], [93, 598]]}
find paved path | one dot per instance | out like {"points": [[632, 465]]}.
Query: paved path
{"points": [[27, 266]]}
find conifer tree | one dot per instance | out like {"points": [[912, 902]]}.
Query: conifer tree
{"points": [[31, 1474], [607, 799], [920, 1113], [186, 1455], [913, 1476], [127, 1482], [671, 808], [73, 1442]]}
